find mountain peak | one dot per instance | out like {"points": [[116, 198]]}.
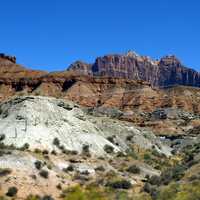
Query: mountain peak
{"points": [[131, 53], [170, 60]]}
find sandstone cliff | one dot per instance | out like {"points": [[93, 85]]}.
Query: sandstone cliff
{"points": [[165, 72]]}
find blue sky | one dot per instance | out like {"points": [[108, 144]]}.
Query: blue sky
{"points": [[51, 34]]}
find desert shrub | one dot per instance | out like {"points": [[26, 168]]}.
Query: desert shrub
{"points": [[62, 148], [111, 139], [56, 142], [81, 177], [5, 171], [70, 168], [45, 152], [47, 197], [129, 138], [119, 184], [37, 151], [33, 176], [53, 152], [147, 156], [38, 164], [49, 166], [73, 152], [33, 197], [155, 180], [59, 186], [100, 168], [3, 152], [130, 152], [25, 147], [134, 169], [2, 137], [151, 190], [44, 173], [4, 146], [86, 150], [108, 148], [12, 191], [69, 152], [120, 154]]}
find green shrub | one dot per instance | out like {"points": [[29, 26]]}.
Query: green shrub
{"points": [[151, 189], [33, 197], [12, 191], [56, 142], [25, 147], [155, 180], [147, 156], [47, 197], [129, 138], [37, 151], [111, 139], [38, 164], [2, 137], [86, 150], [53, 152], [108, 148], [45, 152], [119, 184], [59, 186], [100, 168], [70, 168], [134, 169], [44, 173], [5, 171]]}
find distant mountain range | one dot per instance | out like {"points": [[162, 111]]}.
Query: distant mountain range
{"points": [[167, 71]]}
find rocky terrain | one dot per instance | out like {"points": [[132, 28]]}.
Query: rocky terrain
{"points": [[100, 131]]}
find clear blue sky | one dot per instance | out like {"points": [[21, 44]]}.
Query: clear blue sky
{"points": [[51, 34]]}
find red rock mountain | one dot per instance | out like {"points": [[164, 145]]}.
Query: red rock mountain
{"points": [[165, 72]]}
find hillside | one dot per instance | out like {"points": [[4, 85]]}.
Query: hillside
{"points": [[76, 134]]}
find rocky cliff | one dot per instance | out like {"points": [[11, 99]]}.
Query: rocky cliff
{"points": [[165, 72]]}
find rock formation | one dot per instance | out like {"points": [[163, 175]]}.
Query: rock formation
{"points": [[166, 72]]}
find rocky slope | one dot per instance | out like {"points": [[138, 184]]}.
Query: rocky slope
{"points": [[49, 147], [39, 120], [43, 134]]}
